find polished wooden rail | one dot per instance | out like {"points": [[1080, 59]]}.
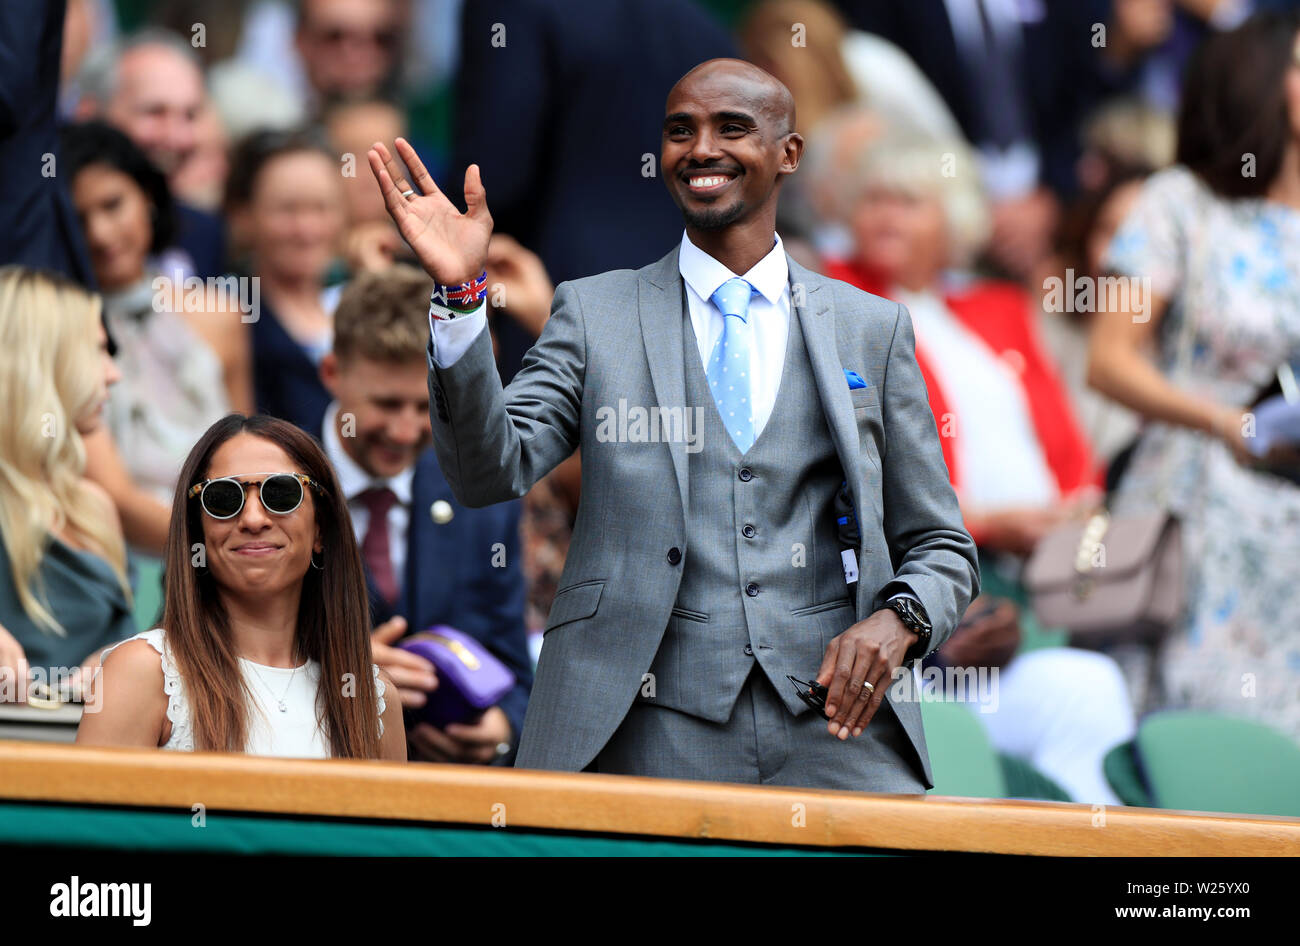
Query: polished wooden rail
{"points": [[474, 796]]}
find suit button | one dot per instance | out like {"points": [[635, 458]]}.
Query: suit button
{"points": [[748, 531], [674, 555], [751, 589], [746, 474], [749, 651]]}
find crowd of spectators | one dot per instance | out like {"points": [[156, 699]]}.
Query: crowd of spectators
{"points": [[961, 157]]}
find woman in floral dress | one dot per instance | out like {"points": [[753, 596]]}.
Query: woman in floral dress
{"points": [[1216, 240]]}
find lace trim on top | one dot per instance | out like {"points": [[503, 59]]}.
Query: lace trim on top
{"points": [[178, 707], [379, 692]]}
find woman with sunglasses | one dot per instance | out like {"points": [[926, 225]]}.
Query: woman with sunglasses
{"points": [[264, 644]]}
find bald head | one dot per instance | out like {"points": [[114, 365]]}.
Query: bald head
{"points": [[158, 101], [751, 86], [728, 140]]}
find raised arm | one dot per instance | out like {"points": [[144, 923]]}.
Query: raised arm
{"points": [[492, 444]]}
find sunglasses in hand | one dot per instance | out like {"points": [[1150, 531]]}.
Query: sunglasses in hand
{"points": [[814, 695], [280, 493]]}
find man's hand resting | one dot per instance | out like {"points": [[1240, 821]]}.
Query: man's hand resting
{"points": [[459, 742], [450, 245], [868, 652]]}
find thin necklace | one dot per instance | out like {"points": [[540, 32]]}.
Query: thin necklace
{"points": [[280, 703]]}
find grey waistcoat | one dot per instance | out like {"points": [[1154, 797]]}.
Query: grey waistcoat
{"points": [[762, 575]]}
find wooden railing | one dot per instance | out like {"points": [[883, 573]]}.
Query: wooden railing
{"points": [[620, 805]]}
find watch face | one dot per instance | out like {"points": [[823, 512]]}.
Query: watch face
{"points": [[911, 613]]}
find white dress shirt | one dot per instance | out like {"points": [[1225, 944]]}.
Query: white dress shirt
{"points": [[769, 314], [1010, 172], [354, 481]]}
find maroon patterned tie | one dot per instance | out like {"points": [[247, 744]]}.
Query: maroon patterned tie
{"points": [[375, 550]]}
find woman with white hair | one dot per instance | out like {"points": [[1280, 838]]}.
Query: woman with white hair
{"points": [[63, 588], [1015, 452]]}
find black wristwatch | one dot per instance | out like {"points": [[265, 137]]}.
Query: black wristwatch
{"points": [[914, 619]]}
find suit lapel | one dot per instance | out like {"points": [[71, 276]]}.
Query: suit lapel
{"points": [[662, 310], [816, 314]]}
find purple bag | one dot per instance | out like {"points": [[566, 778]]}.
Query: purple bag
{"points": [[470, 679]]}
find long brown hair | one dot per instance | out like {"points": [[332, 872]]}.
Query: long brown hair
{"points": [[333, 613], [1234, 104]]}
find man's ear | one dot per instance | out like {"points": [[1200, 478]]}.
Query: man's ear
{"points": [[329, 373], [793, 153], [87, 107], [239, 223]]}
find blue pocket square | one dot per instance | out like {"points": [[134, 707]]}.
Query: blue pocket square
{"points": [[855, 379]]}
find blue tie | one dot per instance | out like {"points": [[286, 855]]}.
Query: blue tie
{"points": [[729, 368]]}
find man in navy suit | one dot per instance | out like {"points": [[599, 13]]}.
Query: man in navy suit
{"points": [[429, 560]]}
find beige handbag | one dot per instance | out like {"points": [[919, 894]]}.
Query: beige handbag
{"points": [[1109, 580]]}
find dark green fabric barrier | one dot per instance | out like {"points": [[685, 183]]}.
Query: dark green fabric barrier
{"points": [[1025, 781], [126, 829]]}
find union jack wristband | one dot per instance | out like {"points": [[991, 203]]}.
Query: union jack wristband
{"points": [[459, 300]]}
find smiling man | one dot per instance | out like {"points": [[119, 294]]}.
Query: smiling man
{"points": [[698, 581], [428, 559]]}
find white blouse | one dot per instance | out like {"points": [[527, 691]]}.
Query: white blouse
{"points": [[293, 732], [1001, 461]]}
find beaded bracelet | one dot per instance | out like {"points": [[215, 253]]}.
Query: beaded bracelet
{"points": [[460, 300]]}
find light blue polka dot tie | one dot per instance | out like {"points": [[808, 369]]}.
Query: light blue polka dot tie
{"points": [[729, 368]]}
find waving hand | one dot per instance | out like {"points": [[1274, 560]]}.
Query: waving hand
{"points": [[450, 245]]}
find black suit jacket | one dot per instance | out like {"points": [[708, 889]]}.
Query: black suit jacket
{"points": [[1063, 76], [38, 226]]}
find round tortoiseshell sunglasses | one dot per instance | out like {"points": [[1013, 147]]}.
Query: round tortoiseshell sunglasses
{"points": [[280, 493]]}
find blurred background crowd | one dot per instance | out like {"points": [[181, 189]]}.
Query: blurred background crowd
{"points": [[962, 156]]}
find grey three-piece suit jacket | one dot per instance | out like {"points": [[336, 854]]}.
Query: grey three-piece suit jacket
{"points": [[689, 562]]}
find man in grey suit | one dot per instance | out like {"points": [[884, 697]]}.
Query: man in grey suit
{"points": [[718, 415]]}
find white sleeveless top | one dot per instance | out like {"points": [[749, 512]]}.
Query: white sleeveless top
{"points": [[293, 732]]}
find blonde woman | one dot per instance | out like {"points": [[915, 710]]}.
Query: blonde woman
{"points": [[64, 595]]}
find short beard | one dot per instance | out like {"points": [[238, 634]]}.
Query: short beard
{"points": [[714, 219]]}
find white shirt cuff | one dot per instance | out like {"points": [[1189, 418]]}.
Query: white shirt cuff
{"points": [[451, 338]]}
